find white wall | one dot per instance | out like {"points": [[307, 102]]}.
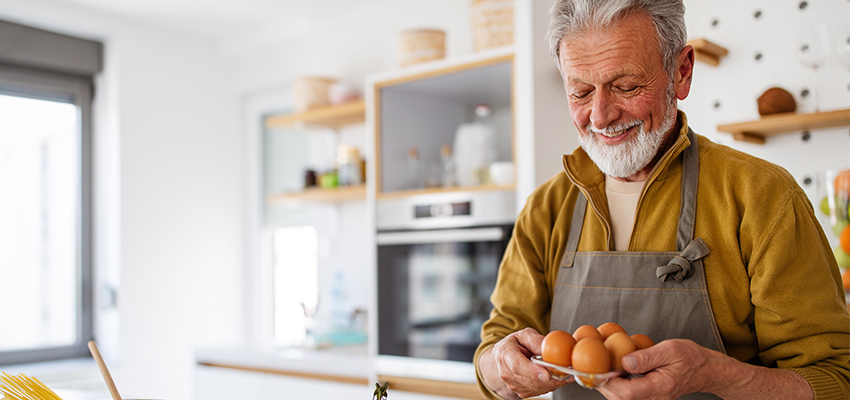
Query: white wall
{"points": [[740, 78], [169, 205]]}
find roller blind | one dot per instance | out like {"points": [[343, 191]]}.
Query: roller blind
{"points": [[26, 46]]}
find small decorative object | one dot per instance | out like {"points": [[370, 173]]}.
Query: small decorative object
{"points": [[310, 178], [775, 101], [311, 92], [329, 180], [419, 45], [340, 93], [380, 391], [492, 23], [348, 165]]}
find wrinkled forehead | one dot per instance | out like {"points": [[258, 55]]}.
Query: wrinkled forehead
{"points": [[628, 47]]}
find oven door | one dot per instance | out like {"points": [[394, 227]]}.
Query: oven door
{"points": [[434, 290]]}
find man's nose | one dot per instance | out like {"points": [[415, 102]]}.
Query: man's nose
{"points": [[603, 111]]}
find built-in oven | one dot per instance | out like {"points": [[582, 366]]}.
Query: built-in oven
{"points": [[437, 261]]}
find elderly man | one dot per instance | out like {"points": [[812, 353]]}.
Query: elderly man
{"points": [[714, 254]]}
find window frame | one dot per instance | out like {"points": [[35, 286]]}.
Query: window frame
{"points": [[42, 84]]}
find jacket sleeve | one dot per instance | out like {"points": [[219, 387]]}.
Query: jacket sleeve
{"points": [[522, 296], [800, 315]]}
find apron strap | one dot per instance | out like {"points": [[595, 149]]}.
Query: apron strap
{"points": [[690, 181], [575, 230]]}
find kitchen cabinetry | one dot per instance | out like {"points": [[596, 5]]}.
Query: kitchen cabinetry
{"points": [[422, 109], [780, 124], [215, 383]]}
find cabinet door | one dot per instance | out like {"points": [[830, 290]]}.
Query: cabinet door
{"points": [[286, 388], [226, 384]]}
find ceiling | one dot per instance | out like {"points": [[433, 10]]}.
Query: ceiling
{"points": [[220, 19]]}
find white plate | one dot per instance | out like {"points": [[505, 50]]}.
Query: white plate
{"points": [[585, 379]]}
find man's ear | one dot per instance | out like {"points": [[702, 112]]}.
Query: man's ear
{"points": [[684, 72]]}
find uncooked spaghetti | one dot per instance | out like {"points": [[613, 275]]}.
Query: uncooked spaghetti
{"points": [[22, 387]]}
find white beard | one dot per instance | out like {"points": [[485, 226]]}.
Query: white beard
{"points": [[626, 159]]}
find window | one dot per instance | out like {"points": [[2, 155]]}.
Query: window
{"points": [[45, 210], [296, 280]]}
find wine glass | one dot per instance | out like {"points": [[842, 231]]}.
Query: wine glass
{"points": [[813, 49]]}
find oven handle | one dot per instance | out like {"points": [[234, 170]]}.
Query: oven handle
{"points": [[441, 236]]}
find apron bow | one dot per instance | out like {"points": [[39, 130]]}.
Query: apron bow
{"points": [[679, 268]]}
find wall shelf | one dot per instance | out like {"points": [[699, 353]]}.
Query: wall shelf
{"points": [[417, 192], [335, 195], [707, 51], [774, 125], [333, 117]]}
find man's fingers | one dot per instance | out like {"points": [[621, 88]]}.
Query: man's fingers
{"points": [[643, 361], [516, 370], [530, 339]]}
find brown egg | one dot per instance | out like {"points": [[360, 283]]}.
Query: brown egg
{"points": [[590, 355], [642, 341], [618, 345], [608, 328], [586, 331], [558, 348]]}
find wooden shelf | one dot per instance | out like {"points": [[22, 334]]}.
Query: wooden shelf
{"points": [[779, 124], [334, 117], [335, 195], [708, 52], [416, 192]]}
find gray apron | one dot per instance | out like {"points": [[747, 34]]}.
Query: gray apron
{"points": [[659, 294]]}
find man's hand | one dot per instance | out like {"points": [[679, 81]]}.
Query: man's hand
{"points": [[506, 368], [675, 367]]}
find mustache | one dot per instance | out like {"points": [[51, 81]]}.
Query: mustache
{"points": [[613, 129]]}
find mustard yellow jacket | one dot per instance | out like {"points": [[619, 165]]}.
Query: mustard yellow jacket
{"points": [[773, 282]]}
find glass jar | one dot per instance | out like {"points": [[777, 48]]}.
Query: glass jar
{"points": [[348, 166]]}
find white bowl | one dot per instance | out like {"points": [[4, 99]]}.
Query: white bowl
{"points": [[502, 172]]}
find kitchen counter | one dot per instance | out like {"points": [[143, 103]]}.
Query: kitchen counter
{"points": [[348, 364]]}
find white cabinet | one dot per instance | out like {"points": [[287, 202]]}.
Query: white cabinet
{"points": [[214, 383], [226, 384], [287, 388]]}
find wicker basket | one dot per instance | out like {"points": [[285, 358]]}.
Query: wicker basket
{"points": [[311, 92], [492, 23], [418, 45]]}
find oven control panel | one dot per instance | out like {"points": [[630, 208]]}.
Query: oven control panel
{"points": [[438, 210]]}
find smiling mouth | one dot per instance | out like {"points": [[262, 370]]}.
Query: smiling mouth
{"points": [[615, 134], [616, 131]]}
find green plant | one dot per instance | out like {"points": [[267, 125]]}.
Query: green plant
{"points": [[380, 391]]}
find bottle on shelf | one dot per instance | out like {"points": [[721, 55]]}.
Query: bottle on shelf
{"points": [[348, 166], [448, 169], [475, 148], [415, 177]]}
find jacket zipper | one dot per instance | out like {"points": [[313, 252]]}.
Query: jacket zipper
{"points": [[677, 149]]}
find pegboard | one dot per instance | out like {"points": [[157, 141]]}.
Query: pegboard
{"points": [[762, 37]]}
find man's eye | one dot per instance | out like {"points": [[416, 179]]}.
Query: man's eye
{"points": [[627, 88], [580, 95]]}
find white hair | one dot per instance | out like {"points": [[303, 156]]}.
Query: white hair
{"points": [[571, 18]]}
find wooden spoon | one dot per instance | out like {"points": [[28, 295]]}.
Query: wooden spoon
{"points": [[103, 371]]}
